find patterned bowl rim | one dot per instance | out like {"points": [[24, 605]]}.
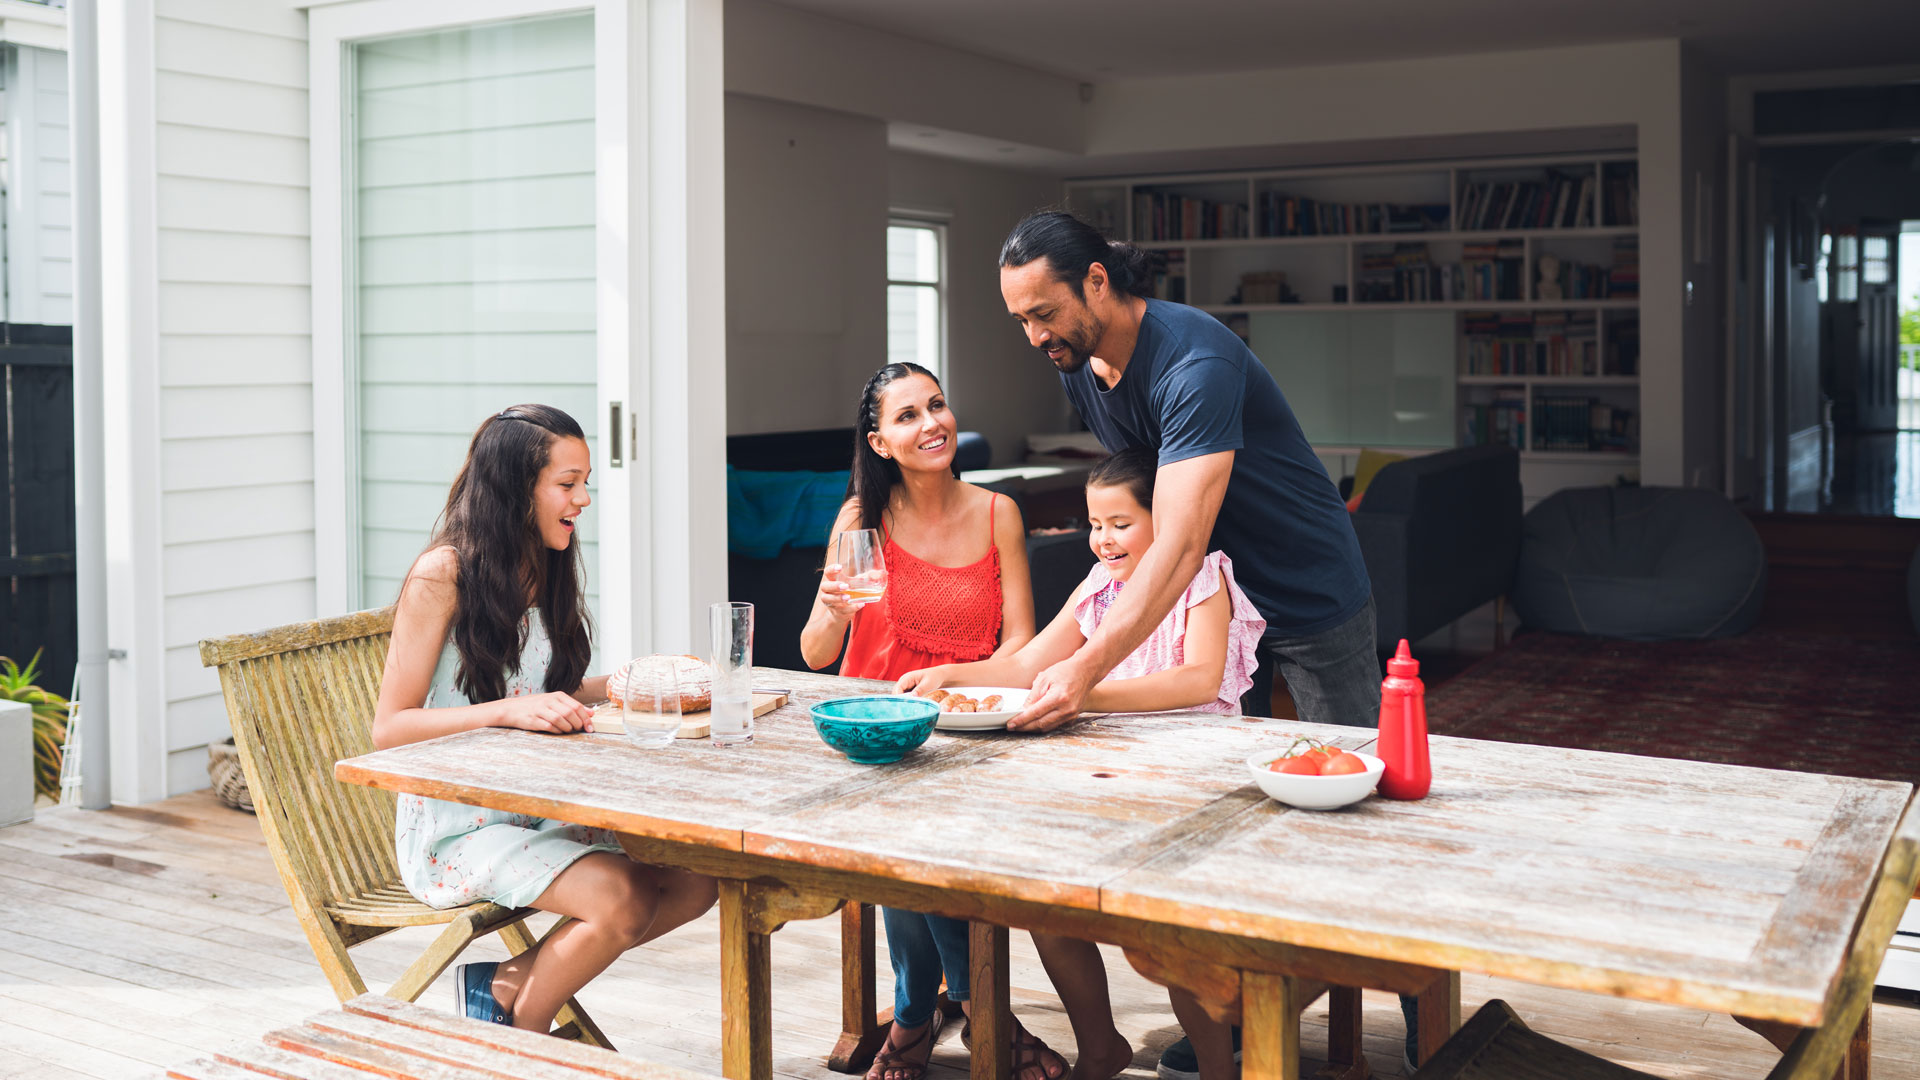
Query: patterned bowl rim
{"points": [[933, 714]]}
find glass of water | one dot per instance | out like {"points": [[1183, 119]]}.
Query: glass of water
{"points": [[650, 702], [862, 564], [732, 717]]}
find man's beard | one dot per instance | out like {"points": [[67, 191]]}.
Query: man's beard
{"points": [[1079, 346]]}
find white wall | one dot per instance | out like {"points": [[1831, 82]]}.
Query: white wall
{"points": [[806, 226], [999, 385], [231, 346], [39, 188]]}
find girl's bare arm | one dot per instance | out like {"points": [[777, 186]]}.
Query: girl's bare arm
{"points": [[1194, 683]]}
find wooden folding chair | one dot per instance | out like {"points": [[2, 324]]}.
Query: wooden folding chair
{"points": [[1496, 1045], [301, 697]]}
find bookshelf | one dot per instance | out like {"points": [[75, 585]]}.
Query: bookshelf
{"points": [[1409, 305]]}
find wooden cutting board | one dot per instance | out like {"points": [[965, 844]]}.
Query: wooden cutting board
{"points": [[699, 725]]}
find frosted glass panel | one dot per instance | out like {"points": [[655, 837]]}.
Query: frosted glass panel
{"points": [[1401, 387], [1362, 378], [1307, 353], [473, 261]]}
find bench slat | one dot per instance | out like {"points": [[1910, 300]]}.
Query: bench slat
{"points": [[379, 1060], [401, 1025]]}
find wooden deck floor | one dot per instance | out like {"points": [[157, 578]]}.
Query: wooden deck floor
{"points": [[142, 937]]}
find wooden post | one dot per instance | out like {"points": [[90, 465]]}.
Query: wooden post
{"points": [[862, 1032], [992, 1011], [1345, 1058], [1859, 1060], [746, 989], [1270, 1031], [1439, 1011]]}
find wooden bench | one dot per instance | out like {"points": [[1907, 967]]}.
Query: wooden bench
{"points": [[373, 1035]]}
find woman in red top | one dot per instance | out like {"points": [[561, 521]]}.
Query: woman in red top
{"points": [[957, 590]]}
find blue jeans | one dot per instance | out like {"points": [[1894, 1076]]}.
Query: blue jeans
{"points": [[923, 948], [1334, 676]]}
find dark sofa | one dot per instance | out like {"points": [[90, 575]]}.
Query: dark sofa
{"points": [[1441, 536]]}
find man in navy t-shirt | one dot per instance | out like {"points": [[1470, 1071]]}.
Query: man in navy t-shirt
{"points": [[1236, 474]]}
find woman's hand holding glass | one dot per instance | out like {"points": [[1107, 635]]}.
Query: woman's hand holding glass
{"points": [[833, 593]]}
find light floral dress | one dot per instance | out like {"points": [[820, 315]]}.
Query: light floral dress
{"points": [[1165, 648], [452, 854]]}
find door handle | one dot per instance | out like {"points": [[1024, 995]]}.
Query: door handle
{"points": [[615, 429]]}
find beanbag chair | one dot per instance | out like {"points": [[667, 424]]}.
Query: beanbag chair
{"points": [[1644, 564]]}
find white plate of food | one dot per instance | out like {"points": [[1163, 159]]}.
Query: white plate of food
{"points": [[976, 708]]}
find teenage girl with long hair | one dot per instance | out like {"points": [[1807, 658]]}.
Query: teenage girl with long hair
{"points": [[491, 631], [957, 591]]}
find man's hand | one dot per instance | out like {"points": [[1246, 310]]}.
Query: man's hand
{"points": [[1058, 695]]}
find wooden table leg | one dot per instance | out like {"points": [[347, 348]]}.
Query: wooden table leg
{"points": [[1345, 1058], [746, 989], [1859, 1061], [1439, 1011], [862, 1031], [992, 1011], [1270, 1027]]}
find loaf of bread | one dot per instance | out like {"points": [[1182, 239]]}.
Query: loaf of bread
{"points": [[634, 680]]}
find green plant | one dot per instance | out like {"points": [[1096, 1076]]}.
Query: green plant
{"points": [[1910, 322], [49, 720]]}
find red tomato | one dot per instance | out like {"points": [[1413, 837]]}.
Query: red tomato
{"points": [[1343, 764], [1303, 765]]}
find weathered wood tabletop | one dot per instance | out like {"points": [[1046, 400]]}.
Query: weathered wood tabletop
{"points": [[1720, 887]]}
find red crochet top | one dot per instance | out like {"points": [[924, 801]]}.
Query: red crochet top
{"points": [[930, 614]]}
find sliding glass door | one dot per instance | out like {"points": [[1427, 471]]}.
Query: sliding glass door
{"points": [[470, 263]]}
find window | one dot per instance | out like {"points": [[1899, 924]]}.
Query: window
{"points": [[917, 294], [1876, 260], [1844, 265]]}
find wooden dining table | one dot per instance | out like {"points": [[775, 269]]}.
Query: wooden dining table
{"points": [[1723, 888]]}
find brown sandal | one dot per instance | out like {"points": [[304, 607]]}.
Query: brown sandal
{"points": [[1028, 1051], [896, 1058]]}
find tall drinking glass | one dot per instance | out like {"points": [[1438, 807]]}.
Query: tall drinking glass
{"points": [[862, 565], [650, 702], [732, 628]]}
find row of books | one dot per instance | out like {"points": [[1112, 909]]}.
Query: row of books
{"points": [[1550, 422], [1532, 343], [1408, 274], [1561, 201], [1281, 214], [1623, 195], [1581, 282], [1162, 216]]}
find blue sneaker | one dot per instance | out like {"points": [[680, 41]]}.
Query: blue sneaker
{"points": [[1177, 1061], [473, 993]]}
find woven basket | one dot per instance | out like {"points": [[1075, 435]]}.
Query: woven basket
{"points": [[229, 779]]}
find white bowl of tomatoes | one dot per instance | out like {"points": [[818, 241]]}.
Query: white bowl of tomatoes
{"points": [[1311, 775]]}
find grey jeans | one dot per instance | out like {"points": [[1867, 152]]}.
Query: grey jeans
{"points": [[1334, 676]]}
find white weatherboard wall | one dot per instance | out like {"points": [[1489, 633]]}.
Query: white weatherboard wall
{"points": [[474, 175], [39, 225], [229, 343]]}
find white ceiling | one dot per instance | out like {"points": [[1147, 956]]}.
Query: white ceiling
{"points": [[1100, 40]]}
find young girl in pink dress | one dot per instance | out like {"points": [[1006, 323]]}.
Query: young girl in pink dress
{"points": [[1199, 659]]}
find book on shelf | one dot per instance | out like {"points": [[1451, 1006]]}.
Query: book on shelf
{"points": [[1494, 269], [1623, 194], [1281, 214], [1531, 343], [1570, 423], [1502, 421], [1623, 346], [1562, 200], [1623, 277], [1169, 270], [1160, 215]]}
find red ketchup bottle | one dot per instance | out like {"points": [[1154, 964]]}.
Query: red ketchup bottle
{"points": [[1403, 729]]}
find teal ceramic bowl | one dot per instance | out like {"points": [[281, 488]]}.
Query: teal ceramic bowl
{"points": [[875, 730]]}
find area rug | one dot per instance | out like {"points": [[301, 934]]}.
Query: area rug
{"points": [[1810, 703]]}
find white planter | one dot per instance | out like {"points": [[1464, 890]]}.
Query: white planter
{"points": [[16, 762]]}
